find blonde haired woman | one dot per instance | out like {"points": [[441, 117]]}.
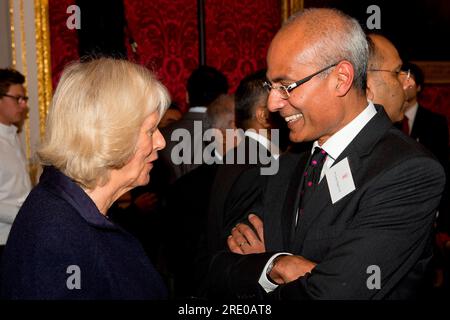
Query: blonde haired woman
{"points": [[101, 140]]}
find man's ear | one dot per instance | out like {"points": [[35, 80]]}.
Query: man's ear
{"points": [[345, 76], [262, 116], [369, 92]]}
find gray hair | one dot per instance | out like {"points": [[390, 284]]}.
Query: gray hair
{"points": [[334, 37]]}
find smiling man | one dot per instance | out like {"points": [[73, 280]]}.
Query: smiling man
{"points": [[352, 218], [14, 179]]}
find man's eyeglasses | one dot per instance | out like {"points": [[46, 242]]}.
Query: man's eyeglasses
{"points": [[19, 99], [405, 73], [285, 91]]}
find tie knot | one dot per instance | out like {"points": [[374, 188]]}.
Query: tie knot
{"points": [[318, 156]]}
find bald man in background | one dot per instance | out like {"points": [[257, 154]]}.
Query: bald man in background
{"points": [[386, 80]]}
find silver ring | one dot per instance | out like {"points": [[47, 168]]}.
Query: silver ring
{"points": [[242, 243]]}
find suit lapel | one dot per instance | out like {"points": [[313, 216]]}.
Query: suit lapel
{"points": [[360, 147], [291, 200]]}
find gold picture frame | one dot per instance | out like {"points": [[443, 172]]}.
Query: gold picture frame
{"points": [[288, 7]]}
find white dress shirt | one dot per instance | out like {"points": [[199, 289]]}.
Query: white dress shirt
{"points": [[334, 146], [274, 150], [14, 179], [197, 109]]}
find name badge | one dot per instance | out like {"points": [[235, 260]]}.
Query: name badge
{"points": [[340, 180]]}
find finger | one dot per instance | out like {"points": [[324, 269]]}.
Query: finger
{"points": [[248, 234], [258, 225], [238, 236], [233, 246]]}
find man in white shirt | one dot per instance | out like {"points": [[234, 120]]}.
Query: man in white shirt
{"points": [[14, 179], [354, 219], [427, 127]]}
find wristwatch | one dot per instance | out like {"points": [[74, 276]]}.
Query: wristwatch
{"points": [[270, 267]]}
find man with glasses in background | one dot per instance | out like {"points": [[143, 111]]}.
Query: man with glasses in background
{"points": [[14, 178], [386, 77], [352, 218]]}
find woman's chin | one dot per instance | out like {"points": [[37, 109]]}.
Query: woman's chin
{"points": [[143, 181]]}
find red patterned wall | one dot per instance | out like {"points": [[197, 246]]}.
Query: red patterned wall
{"points": [[238, 34], [437, 98], [167, 38], [63, 42]]}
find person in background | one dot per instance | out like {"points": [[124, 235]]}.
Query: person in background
{"points": [[386, 77], [237, 183], [204, 85], [100, 142], [186, 205], [431, 130], [173, 114], [425, 126], [14, 178]]}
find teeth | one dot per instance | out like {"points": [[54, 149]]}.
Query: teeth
{"points": [[293, 117]]}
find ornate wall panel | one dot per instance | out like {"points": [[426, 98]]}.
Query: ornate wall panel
{"points": [[63, 41], [166, 34], [238, 34]]}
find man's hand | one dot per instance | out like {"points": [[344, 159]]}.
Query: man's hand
{"points": [[289, 268], [243, 240]]}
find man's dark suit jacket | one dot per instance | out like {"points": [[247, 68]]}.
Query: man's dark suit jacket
{"points": [[431, 130], [385, 222], [175, 171]]}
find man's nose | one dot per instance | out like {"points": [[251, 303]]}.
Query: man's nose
{"points": [[275, 102]]}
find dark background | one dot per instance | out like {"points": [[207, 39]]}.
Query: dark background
{"points": [[420, 29]]}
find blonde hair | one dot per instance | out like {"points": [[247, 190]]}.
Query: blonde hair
{"points": [[95, 118]]}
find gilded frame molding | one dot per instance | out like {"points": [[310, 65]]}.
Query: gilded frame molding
{"points": [[288, 7], [45, 90]]}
